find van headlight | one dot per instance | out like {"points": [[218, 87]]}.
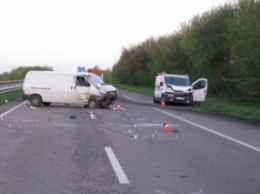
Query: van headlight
{"points": [[103, 91], [169, 89]]}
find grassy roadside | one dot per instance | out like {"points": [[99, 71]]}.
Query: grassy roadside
{"points": [[5, 97], [220, 105]]}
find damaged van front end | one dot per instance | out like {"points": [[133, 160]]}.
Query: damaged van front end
{"points": [[102, 94]]}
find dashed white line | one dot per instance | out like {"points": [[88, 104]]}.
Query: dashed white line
{"points": [[211, 131], [91, 115], [121, 176]]}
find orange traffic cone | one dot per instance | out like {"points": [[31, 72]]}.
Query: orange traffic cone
{"points": [[166, 127], [118, 108], [163, 104]]}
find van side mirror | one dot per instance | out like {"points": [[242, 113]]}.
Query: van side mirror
{"points": [[161, 83]]}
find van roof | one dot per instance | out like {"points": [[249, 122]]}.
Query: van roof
{"points": [[61, 72], [174, 75]]}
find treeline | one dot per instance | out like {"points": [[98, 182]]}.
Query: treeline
{"points": [[222, 45], [20, 72]]}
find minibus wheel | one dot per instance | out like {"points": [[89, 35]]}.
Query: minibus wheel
{"points": [[36, 100], [92, 103]]}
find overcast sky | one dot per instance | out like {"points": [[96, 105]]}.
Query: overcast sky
{"points": [[65, 34]]}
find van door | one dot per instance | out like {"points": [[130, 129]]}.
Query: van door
{"points": [[62, 88], [200, 89], [82, 91], [158, 88]]}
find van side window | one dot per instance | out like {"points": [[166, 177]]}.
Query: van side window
{"points": [[199, 85], [86, 83], [80, 81]]}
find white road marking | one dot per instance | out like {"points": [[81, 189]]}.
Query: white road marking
{"points": [[149, 101], [7, 112], [199, 192], [161, 192], [211, 131], [91, 115], [115, 108], [121, 176], [33, 107], [32, 120], [130, 99]]}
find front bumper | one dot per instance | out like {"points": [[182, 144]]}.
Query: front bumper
{"points": [[186, 98], [112, 95], [108, 99]]}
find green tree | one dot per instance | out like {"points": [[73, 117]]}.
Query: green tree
{"points": [[222, 45], [20, 72], [246, 56]]}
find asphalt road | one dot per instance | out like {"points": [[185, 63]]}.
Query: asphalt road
{"points": [[66, 149]]}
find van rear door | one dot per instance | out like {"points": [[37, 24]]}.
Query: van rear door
{"points": [[200, 89]]}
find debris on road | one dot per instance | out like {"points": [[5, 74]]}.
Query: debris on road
{"points": [[73, 116]]}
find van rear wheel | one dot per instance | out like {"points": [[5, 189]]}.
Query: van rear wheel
{"points": [[36, 100]]}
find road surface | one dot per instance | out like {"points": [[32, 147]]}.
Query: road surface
{"points": [[66, 149]]}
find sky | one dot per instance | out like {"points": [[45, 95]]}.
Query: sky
{"points": [[65, 34]]}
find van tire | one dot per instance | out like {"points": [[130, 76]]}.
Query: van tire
{"points": [[36, 100], [92, 103], [154, 100]]}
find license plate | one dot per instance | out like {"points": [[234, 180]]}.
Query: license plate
{"points": [[179, 98]]}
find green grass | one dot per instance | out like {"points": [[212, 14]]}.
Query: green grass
{"points": [[10, 96], [231, 107], [224, 106]]}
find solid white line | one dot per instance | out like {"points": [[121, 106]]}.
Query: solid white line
{"points": [[122, 178], [149, 101], [7, 112], [161, 192], [130, 99], [211, 131]]}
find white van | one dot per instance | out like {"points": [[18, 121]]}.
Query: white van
{"points": [[177, 88], [46, 87]]}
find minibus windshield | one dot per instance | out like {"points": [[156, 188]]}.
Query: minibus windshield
{"points": [[177, 81], [94, 79]]}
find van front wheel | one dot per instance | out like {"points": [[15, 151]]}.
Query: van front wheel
{"points": [[36, 100], [92, 103]]}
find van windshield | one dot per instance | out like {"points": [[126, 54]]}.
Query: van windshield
{"points": [[94, 79], [177, 81]]}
